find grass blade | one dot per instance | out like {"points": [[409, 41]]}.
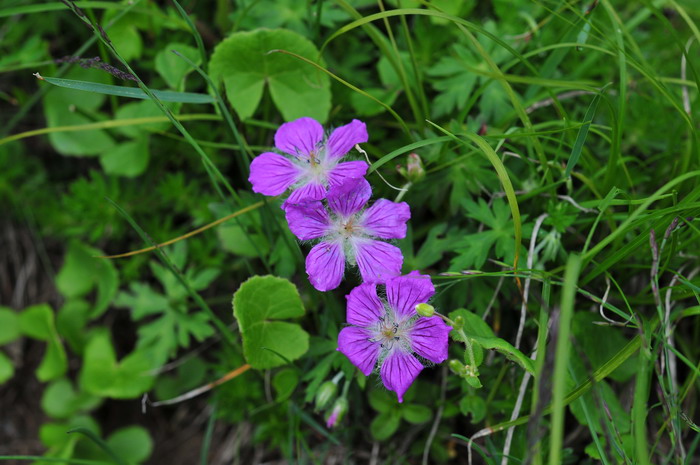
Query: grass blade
{"points": [[583, 132], [129, 92]]}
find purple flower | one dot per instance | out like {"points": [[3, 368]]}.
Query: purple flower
{"points": [[348, 232], [391, 333], [313, 164]]}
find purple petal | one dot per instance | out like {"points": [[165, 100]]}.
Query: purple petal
{"points": [[364, 306], [350, 197], [307, 220], [405, 292], [355, 344], [299, 137], [429, 338], [399, 370], [306, 193], [386, 219], [345, 137], [345, 171], [377, 260], [272, 174], [325, 265]]}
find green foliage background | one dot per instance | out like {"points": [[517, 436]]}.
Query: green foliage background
{"points": [[556, 213]]}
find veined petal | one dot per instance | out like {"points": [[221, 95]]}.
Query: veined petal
{"points": [[272, 174], [355, 344], [377, 260], [307, 220], [429, 337], [306, 193], [345, 171], [350, 197], [386, 219], [399, 370], [300, 137], [364, 306], [404, 292], [325, 265], [345, 137]]}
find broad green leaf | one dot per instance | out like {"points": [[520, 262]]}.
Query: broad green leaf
{"points": [[241, 242], [258, 305], [59, 399], [189, 375], [284, 382], [599, 344], [140, 109], [245, 65], [172, 67], [7, 370], [133, 443], [129, 92], [474, 325], [128, 159], [103, 375], [381, 400], [9, 325], [416, 413], [38, 322], [126, 39], [594, 399], [82, 271], [71, 321], [474, 405], [385, 424]]}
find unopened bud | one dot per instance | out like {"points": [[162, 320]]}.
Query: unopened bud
{"points": [[325, 394], [414, 168], [340, 407], [458, 322], [425, 310], [457, 367]]}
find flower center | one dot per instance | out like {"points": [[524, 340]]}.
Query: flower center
{"points": [[391, 333]]}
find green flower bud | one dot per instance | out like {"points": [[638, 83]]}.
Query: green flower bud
{"points": [[324, 395], [458, 323], [414, 168], [425, 310], [340, 407], [457, 367]]}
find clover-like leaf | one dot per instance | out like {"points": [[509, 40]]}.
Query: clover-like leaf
{"points": [[245, 65], [258, 305]]}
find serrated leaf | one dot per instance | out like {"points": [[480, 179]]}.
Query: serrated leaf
{"points": [[258, 305], [243, 62]]}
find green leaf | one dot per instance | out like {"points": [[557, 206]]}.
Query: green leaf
{"points": [[474, 405], [102, 375], [243, 62], [82, 271], [134, 443], [416, 413], [7, 370], [284, 382], [128, 159], [381, 400], [71, 321], [257, 305], [172, 67], [9, 325], [38, 322], [385, 424], [59, 399], [129, 92], [474, 326]]}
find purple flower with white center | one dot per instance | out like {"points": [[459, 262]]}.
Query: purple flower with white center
{"points": [[349, 232], [390, 333], [314, 163]]}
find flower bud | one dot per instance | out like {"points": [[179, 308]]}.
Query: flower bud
{"points": [[458, 322], [325, 394], [457, 367], [340, 407], [414, 168], [425, 310]]}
